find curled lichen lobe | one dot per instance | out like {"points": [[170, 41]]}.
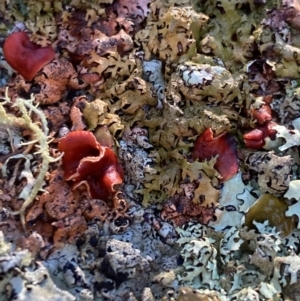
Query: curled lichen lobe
{"points": [[24, 56], [86, 162], [224, 146], [256, 138]]}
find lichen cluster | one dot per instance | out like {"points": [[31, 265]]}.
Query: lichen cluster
{"points": [[40, 136], [149, 78]]}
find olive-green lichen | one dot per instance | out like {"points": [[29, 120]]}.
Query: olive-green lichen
{"points": [[230, 31]]}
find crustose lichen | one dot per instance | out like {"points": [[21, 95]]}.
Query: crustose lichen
{"points": [[26, 107]]}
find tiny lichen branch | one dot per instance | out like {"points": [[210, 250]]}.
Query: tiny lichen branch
{"points": [[41, 134]]}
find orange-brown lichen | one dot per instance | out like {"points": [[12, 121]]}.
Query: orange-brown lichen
{"points": [[76, 115], [50, 84], [54, 80], [181, 210]]}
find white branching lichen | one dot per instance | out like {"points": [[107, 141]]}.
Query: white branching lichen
{"points": [[26, 107]]}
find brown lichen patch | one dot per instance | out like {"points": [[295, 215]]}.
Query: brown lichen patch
{"points": [[54, 80], [57, 116], [88, 37], [58, 205], [137, 11], [96, 208], [76, 114], [50, 85], [35, 243], [121, 11], [58, 202], [288, 13], [197, 199], [69, 228], [60, 215], [80, 44], [273, 173], [12, 229], [180, 210]]}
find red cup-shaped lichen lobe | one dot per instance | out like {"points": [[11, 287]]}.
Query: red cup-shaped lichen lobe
{"points": [[256, 138], [224, 145], [100, 175], [87, 163], [76, 146], [24, 56]]}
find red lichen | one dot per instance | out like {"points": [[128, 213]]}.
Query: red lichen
{"points": [[224, 146], [256, 138], [262, 114], [87, 163], [24, 56]]}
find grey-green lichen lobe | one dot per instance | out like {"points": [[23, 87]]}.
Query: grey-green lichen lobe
{"points": [[35, 283], [21, 279], [211, 84], [271, 273]]}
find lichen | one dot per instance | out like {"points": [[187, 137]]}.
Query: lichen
{"points": [[273, 172], [177, 28], [41, 136], [199, 255], [213, 84], [21, 279], [261, 209], [235, 199], [157, 75]]}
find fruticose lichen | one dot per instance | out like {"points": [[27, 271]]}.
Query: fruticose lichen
{"points": [[41, 137]]}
